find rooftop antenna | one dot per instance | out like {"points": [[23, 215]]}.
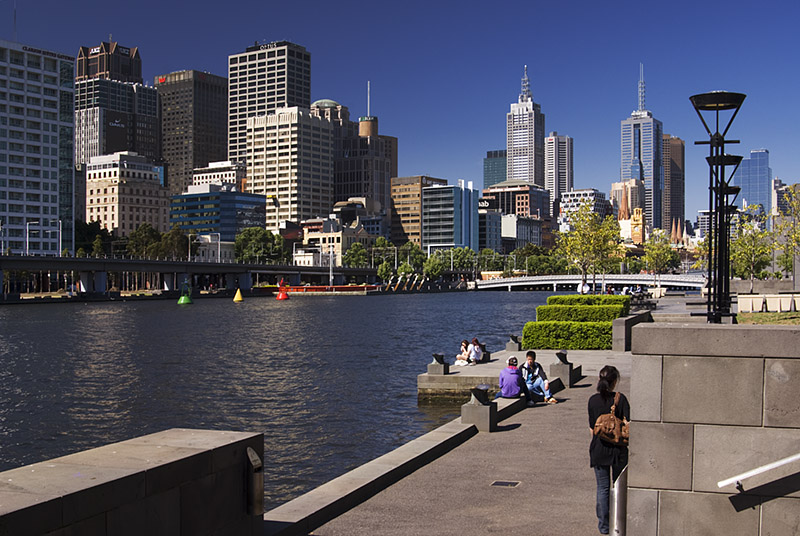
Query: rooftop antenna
{"points": [[526, 87], [367, 98], [15, 20], [641, 88]]}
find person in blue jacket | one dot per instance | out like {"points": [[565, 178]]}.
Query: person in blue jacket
{"points": [[535, 378]]}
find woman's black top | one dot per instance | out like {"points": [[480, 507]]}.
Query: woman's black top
{"points": [[601, 452]]}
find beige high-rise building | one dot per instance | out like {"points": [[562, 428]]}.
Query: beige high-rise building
{"points": [[290, 160], [673, 197], [123, 191], [262, 79], [634, 188], [407, 207]]}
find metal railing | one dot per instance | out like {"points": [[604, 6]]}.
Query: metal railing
{"points": [[757, 471]]}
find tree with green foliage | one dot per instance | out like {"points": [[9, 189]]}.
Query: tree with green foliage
{"points": [[463, 259], [173, 244], [435, 265], [411, 254], [257, 245], [383, 250], [81, 253], [86, 233], [355, 256], [788, 228], [590, 241], [143, 240], [489, 260], [385, 270], [405, 269], [659, 257], [97, 247], [751, 245]]}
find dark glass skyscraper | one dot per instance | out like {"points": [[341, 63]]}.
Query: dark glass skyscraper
{"points": [[494, 167], [194, 115]]}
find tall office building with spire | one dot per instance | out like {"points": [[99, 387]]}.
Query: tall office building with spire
{"points": [[641, 155], [525, 138]]}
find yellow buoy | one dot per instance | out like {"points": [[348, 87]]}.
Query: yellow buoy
{"points": [[238, 297]]}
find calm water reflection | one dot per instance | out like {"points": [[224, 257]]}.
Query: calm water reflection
{"points": [[331, 382]]}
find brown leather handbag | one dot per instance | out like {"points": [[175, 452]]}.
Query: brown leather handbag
{"points": [[611, 428]]}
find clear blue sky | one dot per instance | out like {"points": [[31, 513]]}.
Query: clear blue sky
{"points": [[443, 74]]}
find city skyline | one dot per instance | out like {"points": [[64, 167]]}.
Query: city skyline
{"points": [[428, 66]]}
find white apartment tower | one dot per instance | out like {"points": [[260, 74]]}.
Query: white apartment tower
{"points": [[290, 160], [558, 175], [525, 138], [37, 175], [262, 79]]}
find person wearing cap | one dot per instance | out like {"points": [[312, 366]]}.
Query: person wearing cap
{"points": [[535, 378], [511, 382]]}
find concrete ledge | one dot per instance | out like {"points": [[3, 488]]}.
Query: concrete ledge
{"points": [[302, 515], [164, 483], [621, 330], [707, 340], [330, 500]]}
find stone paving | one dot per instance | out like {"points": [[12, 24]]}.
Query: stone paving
{"points": [[544, 448]]}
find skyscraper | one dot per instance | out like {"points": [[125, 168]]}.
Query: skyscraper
{"points": [[194, 114], [109, 61], [525, 138], [754, 177], [449, 217], [494, 167], [262, 79], [363, 160], [114, 111], [641, 155], [673, 197], [407, 207], [36, 167], [558, 175], [290, 160]]}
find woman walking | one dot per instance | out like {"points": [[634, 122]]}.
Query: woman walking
{"points": [[606, 458]]}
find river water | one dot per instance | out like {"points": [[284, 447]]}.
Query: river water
{"points": [[329, 381]]}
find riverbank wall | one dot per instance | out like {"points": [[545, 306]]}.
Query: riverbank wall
{"points": [[175, 482]]}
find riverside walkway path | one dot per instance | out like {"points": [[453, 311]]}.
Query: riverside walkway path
{"points": [[545, 449]]}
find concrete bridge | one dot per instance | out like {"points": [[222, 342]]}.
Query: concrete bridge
{"points": [[91, 275], [570, 282]]}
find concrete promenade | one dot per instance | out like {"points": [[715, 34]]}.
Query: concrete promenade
{"points": [[544, 448]]}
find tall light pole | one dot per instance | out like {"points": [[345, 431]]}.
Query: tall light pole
{"points": [[219, 239], [27, 236], [59, 238], [330, 266]]}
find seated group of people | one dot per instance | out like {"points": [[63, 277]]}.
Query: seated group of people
{"points": [[471, 353], [529, 379]]}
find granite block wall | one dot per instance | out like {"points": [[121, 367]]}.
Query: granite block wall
{"points": [[709, 402]]}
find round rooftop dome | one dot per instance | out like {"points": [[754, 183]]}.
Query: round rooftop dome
{"points": [[326, 103]]}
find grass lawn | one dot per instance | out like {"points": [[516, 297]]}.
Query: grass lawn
{"points": [[769, 318]]}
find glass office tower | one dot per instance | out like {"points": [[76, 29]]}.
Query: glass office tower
{"points": [[754, 177]]}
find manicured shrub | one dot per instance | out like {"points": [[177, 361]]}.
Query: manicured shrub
{"points": [[579, 313], [567, 335], [592, 299]]}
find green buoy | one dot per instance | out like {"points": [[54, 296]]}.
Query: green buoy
{"points": [[186, 295]]}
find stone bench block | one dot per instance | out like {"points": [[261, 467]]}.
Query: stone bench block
{"points": [[436, 369], [484, 417], [646, 387]]}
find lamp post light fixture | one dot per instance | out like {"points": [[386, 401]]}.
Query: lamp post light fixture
{"points": [[27, 235], [219, 240], [721, 205]]}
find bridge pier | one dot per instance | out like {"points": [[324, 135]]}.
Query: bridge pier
{"points": [[93, 282]]}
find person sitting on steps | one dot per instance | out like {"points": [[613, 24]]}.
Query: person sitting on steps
{"points": [[475, 352], [535, 378], [511, 382], [462, 359]]}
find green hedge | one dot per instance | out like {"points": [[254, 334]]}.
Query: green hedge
{"points": [[578, 313], [592, 299], [567, 335]]}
